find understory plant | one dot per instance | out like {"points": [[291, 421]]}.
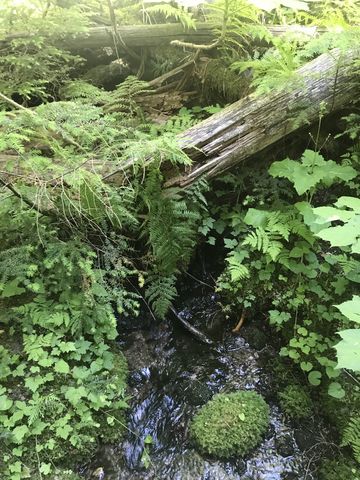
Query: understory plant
{"points": [[293, 252], [295, 402], [73, 257]]}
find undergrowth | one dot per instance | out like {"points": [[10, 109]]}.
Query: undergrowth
{"points": [[89, 233]]}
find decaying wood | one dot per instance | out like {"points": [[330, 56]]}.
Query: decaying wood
{"points": [[134, 36], [248, 126]]}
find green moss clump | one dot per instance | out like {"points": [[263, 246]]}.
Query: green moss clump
{"points": [[230, 424], [339, 469], [295, 402]]}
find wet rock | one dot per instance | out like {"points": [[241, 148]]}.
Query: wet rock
{"points": [[284, 445], [217, 472], [189, 466], [196, 392], [305, 438], [254, 337], [290, 476], [139, 377], [138, 352]]}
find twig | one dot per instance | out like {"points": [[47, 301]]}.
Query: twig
{"points": [[37, 457], [16, 105], [28, 202], [199, 281]]}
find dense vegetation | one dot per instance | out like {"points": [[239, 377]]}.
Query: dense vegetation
{"points": [[90, 233]]}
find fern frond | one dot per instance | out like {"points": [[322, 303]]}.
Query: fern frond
{"points": [[160, 292], [237, 270], [169, 11], [351, 437], [84, 92]]}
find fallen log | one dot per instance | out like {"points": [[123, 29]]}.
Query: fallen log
{"points": [[134, 36], [252, 124]]}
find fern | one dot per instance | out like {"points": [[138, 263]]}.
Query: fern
{"points": [[160, 292], [239, 20], [125, 97], [237, 270], [267, 237], [84, 92], [170, 226], [351, 436], [275, 69], [169, 11]]}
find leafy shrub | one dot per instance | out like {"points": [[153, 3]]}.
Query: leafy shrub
{"points": [[339, 469], [230, 424], [295, 402]]}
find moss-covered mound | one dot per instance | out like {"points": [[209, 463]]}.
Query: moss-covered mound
{"points": [[230, 424]]}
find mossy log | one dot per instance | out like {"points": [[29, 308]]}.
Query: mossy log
{"points": [[133, 36]]}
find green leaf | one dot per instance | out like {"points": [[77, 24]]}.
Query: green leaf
{"points": [[341, 235], [5, 403], [81, 373], [45, 468], [62, 367], [19, 433], [67, 347], [33, 383], [348, 350], [350, 202], [314, 378], [74, 394], [64, 431], [302, 331], [306, 366], [331, 214], [351, 309], [312, 169], [148, 440], [12, 289], [335, 390], [256, 218], [242, 416]]}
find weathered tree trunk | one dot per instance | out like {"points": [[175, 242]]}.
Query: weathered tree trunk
{"points": [[133, 36], [250, 125]]}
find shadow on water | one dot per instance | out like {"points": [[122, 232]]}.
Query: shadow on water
{"points": [[172, 374]]}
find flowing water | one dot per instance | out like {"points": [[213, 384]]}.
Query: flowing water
{"points": [[173, 374]]}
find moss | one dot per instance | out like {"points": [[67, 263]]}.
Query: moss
{"points": [[339, 469], [295, 402], [230, 424]]}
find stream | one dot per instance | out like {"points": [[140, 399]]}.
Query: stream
{"points": [[172, 374]]}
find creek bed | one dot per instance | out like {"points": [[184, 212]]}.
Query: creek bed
{"points": [[172, 374]]}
